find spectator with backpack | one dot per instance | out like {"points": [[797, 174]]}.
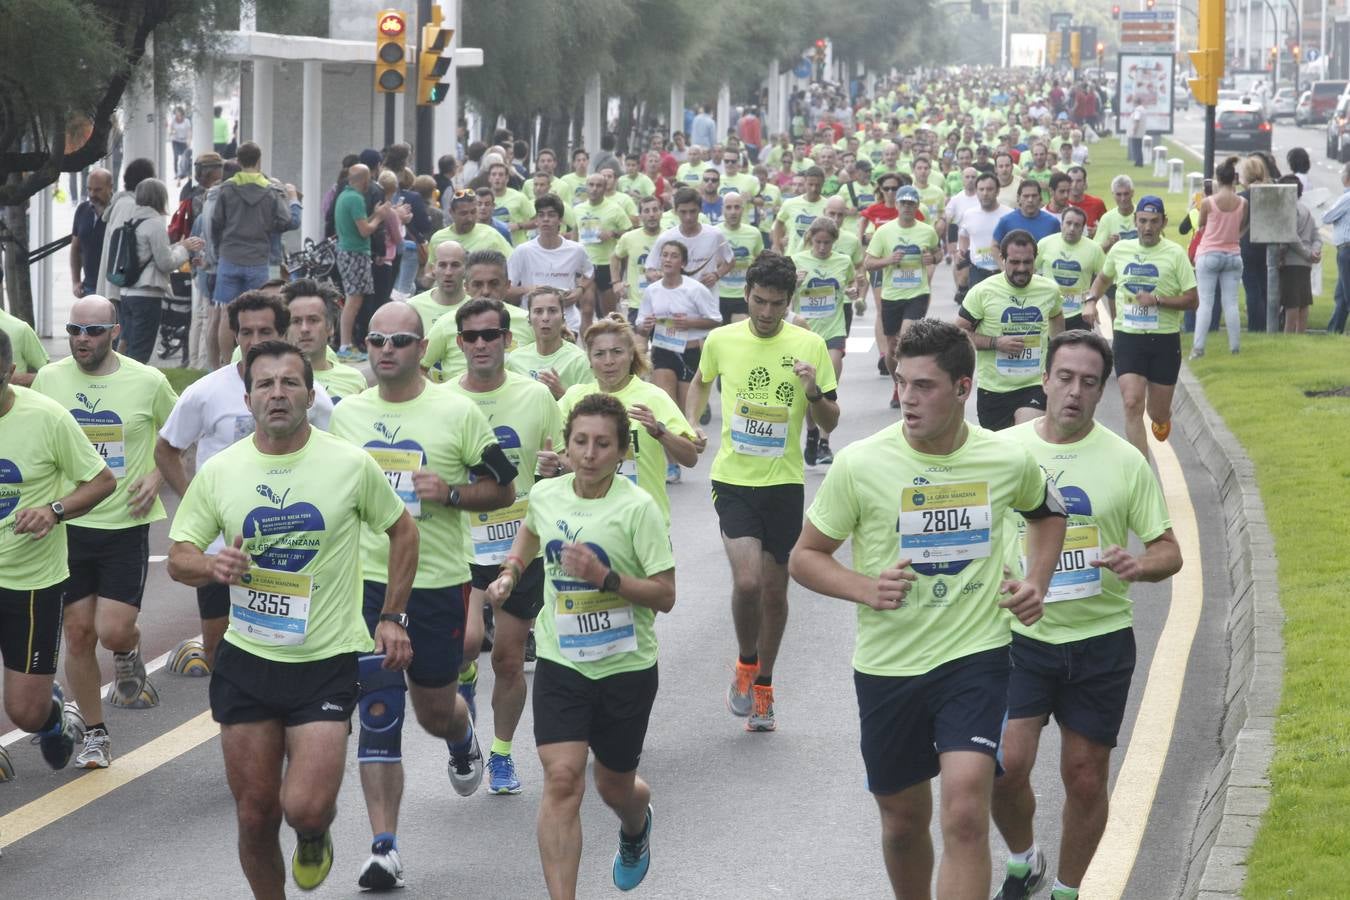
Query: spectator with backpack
{"points": [[142, 258], [115, 216]]}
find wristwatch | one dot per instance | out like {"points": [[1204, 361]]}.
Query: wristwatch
{"points": [[820, 395], [660, 430], [401, 619], [452, 499], [59, 509], [611, 582]]}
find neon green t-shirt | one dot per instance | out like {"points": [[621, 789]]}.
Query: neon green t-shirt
{"points": [[863, 196], [746, 244], [909, 278], [29, 354], [42, 452], [1000, 310], [1161, 269], [819, 298], [571, 188], [120, 414], [511, 208], [933, 201], [742, 183], [431, 311], [302, 529], [797, 215], [1109, 490], [480, 237], [1113, 222], [895, 503], [645, 462], [849, 245], [763, 216], [437, 430], [569, 362], [444, 360], [763, 403], [581, 627], [592, 219], [638, 186], [1071, 266], [341, 380], [634, 246]]}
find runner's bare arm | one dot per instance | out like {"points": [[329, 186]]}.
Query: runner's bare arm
{"points": [[813, 566]]}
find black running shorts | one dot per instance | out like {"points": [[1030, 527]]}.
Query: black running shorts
{"points": [[610, 714]]}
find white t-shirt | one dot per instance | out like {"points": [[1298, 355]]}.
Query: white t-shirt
{"points": [[978, 226], [959, 205], [690, 298], [706, 249], [531, 263], [212, 414]]}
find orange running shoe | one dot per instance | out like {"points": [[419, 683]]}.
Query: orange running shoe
{"points": [[738, 694], [761, 717], [1162, 429]]}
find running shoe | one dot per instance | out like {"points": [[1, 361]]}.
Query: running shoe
{"points": [[1064, 894], [1162, 429], [881, 367], [672, 473], [739, 700], [383, 871], [469, 691], [824, 456], [466, 765], [312, 860], [706, 417], [58, 744], [97, 750], [895, 398], [531, 654], [351, 355], [812, 450], [1024, 879], [502, 774], [128, 676], [634, 857], [7, 772], [761, 715], [1194, 355]]}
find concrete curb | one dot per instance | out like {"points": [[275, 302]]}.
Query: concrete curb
{"points": [[1238, 789]]}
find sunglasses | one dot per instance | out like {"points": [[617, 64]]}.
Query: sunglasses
{"points": [[890, 187], [711, 180], [487, 335], [400, 339], [92, 330]]}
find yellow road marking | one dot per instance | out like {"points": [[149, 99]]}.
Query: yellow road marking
{"points": [[87, 788], [1137, 782]]}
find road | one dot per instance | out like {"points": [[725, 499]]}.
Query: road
{"points": [[737, 814]]}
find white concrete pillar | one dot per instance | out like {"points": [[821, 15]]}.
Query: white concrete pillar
{"points": [[400, 110], [203, 100], [591, 124], [784, 95], [1174, 177], [311, 151], [771, 113], [140, 135], [42, 283], [677, 107], [724, 120], [262, 109]]}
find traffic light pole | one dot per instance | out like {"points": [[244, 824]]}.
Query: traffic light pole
{"points": [[1209, 142], [388, 119], [422, 151]]}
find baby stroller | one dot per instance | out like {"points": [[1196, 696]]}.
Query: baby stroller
{"points": [[175, 321]]}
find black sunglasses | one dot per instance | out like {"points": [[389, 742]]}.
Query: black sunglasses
{"points": [[399, 339], [487, 335], [92, 330]]}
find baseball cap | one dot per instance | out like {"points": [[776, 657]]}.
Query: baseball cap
{"points": [[370, 158], [208, 160], [907, 194], [1151, 204]]}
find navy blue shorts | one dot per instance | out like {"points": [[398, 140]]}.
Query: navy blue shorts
{"points": [[436, 619], [1083, 683], [907, 722]]}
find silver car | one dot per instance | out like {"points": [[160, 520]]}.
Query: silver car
{"points": [[1284, 104]]}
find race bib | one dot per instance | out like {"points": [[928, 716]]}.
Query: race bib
{"points": [[243, 426], [589, 234], [1140, 318], [1026, 361], [1072, 304], [945, 522], [110, 443], [271, 606], [666, 337], [817, 302], [1075, 577], [905, 276], [399, 466], [493, 532], [983, 258], [593, 624], [735, 278], [628, 465], [759, 430]]}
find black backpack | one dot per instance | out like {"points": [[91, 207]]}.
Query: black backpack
{"points": [[124, 268]]}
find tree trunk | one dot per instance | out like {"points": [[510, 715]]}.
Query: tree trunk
{"points": [[18, 285], [624, 126]]}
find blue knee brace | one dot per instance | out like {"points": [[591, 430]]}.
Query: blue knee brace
{"points": [[381, 737]]}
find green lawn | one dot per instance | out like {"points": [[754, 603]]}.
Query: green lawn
{"points": [[1299, 447], [181, 378]]}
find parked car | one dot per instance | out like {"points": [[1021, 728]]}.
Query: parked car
{"points": [[1325, 95], [1242, 128], [1284, 103], [1303, 111], [1338, 131], [1228, 97]]}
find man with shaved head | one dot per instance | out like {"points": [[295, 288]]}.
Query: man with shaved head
{"points": [[429, 441], [119, 405], [86, 233]]}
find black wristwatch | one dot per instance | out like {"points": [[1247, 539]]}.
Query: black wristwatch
{"points": [[400, 618], [820, 395], [611, 582], [452, 499], [59, 509]]}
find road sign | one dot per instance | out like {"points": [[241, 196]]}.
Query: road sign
{"points": [[1311, 55], [1148, 28], [803, 68]]}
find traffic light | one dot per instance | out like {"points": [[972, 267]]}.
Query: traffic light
{"points": [[1115, 11], [1150, 3], [433, 60], [1101, 54], [1274, 55], [1208, 57], [1297, 51], [391, 52]]}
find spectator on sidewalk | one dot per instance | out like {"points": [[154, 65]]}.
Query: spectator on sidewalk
{"points": [[118, 211], [1296, 259], [143, 301], [87, 231], [1338, 217]]}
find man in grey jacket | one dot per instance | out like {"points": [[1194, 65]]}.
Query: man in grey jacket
{"points": [[115, 215], [248, 210]]}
